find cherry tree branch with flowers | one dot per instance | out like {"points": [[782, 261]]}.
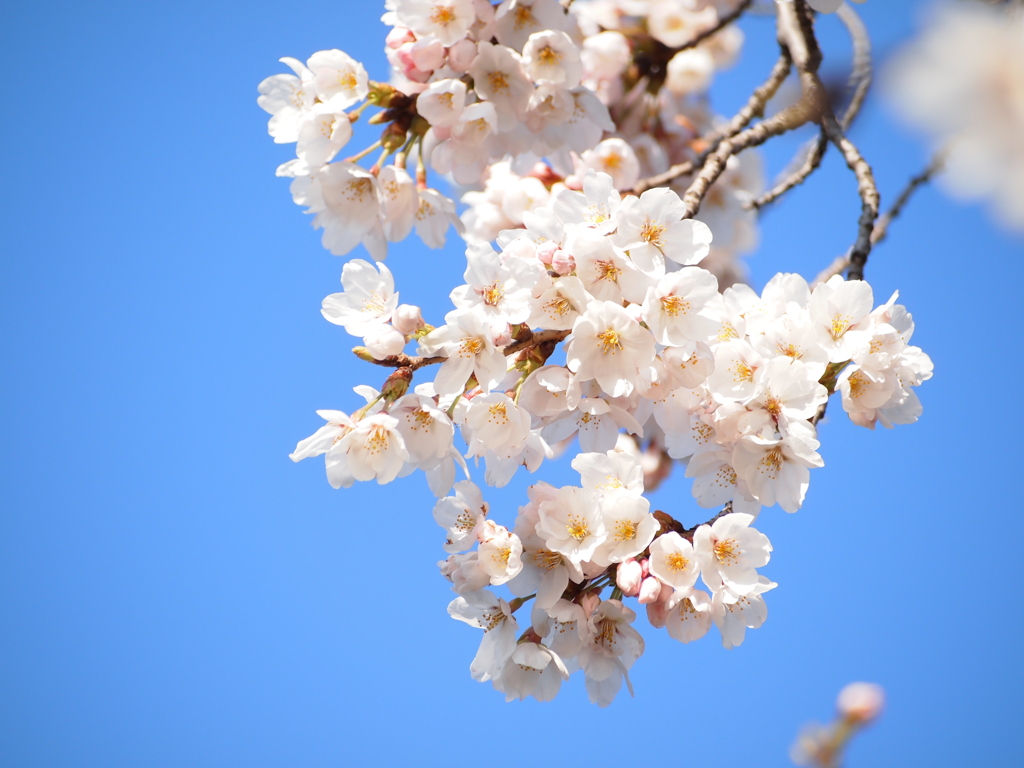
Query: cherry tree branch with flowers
{"points": [[585, 137]]}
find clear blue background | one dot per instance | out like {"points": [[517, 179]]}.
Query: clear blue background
{"points": [[174, 591]]}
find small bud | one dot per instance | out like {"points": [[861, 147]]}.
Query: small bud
{"points": [[419, 126], [650, 590], [657, 612], [461, 55], [562, 262], [363, 354], [407, 319], [589, 602], [381, 94], [860, 703], [546, 250], [419, 334], [628, 576], [383, 341], [399, 36], [520, 332], [397, 384], [393, 138]]}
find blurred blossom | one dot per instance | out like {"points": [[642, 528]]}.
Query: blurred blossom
{"points": [[962, 82], [860, 702]]}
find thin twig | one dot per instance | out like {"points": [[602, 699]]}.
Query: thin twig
{"points": [[859, 82], [861, 72], [723, 21], [866, 188], [881, 229], [796, 31], [415, 362], [754, 107], [813, 153], [837, 267], [796, 34], [882, 225], [804, 111]]}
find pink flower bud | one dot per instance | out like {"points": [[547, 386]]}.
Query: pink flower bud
{"points": [[383, 341], [407, 319], [427, 54], [404, 53], [650, 590], [657, 612], [562, 262], [589, 603], [628, 576], [646, 565], [546, 250], [399, 36], [461, 55], [860, 702], [504, 338]]}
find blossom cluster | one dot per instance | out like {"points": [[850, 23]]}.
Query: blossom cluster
{"points": [[570, 542], [516, 100], [730, 383], [596, 316]]}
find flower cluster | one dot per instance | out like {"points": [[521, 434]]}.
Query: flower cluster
{"points": [[522, 98], [595, 311], [567, 545], [730, 383]]}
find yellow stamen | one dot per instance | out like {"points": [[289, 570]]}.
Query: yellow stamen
{"points": [[609, 341], [727, 551], [577, 528], [675, 305]]}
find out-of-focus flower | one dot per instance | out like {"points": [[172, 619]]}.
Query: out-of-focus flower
{"points": [[962, 82]]}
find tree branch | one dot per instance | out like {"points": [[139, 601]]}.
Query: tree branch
{"points": [[859, 82], [882, 225], [754, 107], [723, 21], [415, 362], [796, 31], [866, 188]]}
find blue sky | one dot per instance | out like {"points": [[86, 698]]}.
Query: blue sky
{"points": [[175, 591]]}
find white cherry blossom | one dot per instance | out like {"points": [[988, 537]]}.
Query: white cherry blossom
{"points": [[734, 613], [493, 615], [369, 298], [728, 552], [673, 561], [447, 20], [340, 80], [572, 524], [550, 57], [467, 343], [689, 615], [289, 99], [613, 648], [610, 346]]}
